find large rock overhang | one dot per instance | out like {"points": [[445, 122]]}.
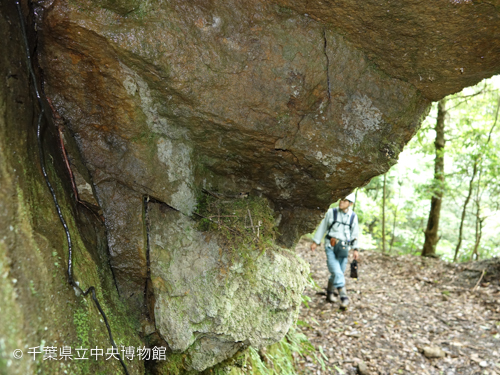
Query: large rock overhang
{"points": [[299, 102], [273, 102], [440, 47]]}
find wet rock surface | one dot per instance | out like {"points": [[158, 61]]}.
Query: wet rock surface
{"points": [[39, 309]]}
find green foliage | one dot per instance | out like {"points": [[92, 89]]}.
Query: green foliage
{"points": [[283, 358], [472, 139], [82, 325], [81, 321], [284, 10]]}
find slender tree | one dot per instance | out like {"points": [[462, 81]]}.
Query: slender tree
{"points": [[479, 231], [464, 210], [395, 218], [417, 232], [355, 200], [431, 232], [479, 219], [477, 170]]}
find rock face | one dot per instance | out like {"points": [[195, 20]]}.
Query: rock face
{"points": [[211, 303], [38, 307], [296, 102], [439, 47], [235, 97]]}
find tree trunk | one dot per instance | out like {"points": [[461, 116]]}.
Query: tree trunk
{"points": [[479, 232], [383, 214], [393, 235], [431, 232], [479, 222], [464, 209], [477, 160], [355, 200]]}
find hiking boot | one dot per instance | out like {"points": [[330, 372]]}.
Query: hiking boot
{"points": [[331, 290], [344, 300], [330, 296]]}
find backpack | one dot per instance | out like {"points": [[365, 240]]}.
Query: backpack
{"points": [[335, 213], [333, 241]]}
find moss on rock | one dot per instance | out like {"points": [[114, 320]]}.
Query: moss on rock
{"points": [[220, 291], [39, 308]]}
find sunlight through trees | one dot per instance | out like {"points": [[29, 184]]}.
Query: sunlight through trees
{"points": [[458, 168]]}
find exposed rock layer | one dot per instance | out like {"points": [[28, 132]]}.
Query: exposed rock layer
{"points": [[438, 46], [38, 307], [164, 99], [211, 302], [229, 96]]}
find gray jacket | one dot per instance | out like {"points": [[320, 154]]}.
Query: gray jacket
{"points": [[340, 229]]}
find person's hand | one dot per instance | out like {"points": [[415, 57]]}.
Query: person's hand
{"points": [[355, 254], [313, 246]]}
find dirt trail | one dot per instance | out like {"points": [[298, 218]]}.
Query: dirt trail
{"points": [[401, 305]]}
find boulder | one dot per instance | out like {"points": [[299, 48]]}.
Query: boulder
{"points": [[211, 302]]}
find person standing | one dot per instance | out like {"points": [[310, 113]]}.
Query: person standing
{"points": [[342, 232]]}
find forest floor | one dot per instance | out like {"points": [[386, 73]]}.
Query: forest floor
{"points": [[403, 311]]}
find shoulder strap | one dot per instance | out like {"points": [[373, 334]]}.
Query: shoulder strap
{"points": [[334, 220], [335, 213], [352, 219]]}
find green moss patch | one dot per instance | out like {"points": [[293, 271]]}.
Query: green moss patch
{"points": [[244, 226]]}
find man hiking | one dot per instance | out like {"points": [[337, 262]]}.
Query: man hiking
{"points": [[342, 231]]}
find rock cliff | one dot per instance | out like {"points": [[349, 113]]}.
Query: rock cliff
{"points": [[159, 102]]}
